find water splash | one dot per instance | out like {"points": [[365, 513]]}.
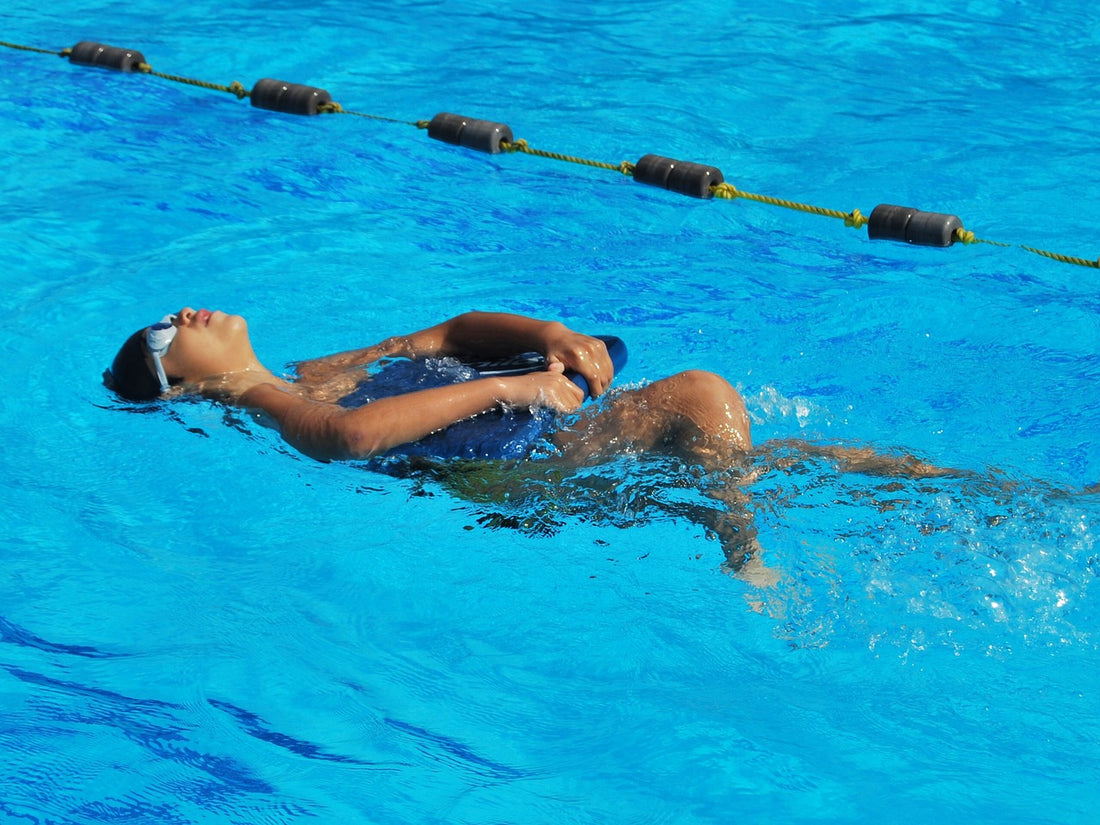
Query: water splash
{"points": [[975, 562], [956, 563]]}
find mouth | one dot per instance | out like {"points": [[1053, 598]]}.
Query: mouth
{"points": [[204, 316]]}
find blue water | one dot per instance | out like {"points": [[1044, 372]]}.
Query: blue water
{"points": [[198, 625]]}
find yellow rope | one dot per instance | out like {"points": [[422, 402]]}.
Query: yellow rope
{"points": [[965, 236], [522, 146], [728, 191], [336, 109], [62, 53], [234, 88], [1066, 259]]}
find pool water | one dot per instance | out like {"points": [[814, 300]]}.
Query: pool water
{"points": [[199, 625]]}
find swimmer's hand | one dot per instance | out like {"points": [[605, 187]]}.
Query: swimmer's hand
{"points": [[582, 354], [549, 389]]}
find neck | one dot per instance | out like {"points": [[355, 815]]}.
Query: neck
{"points": [[230, 386]]}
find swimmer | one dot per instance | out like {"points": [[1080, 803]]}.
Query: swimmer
{"points": [[694, 415]]}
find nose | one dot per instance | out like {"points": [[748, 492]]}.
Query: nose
{"points": [[185, 315]]}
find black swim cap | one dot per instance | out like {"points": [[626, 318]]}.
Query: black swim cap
{"points": [[130, 375]]}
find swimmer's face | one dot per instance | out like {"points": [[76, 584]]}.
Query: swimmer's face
{"points": [[207, 344]]}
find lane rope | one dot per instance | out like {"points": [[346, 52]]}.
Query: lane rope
{"points": [[891, 222]]}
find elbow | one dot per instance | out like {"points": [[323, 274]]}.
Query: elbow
{"points": [[356, 444], [461, 326], [356, 441], [470, 315], [335, 438]]}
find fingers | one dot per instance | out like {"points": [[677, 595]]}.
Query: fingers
{"points": [[557, 392], [587, 356]]}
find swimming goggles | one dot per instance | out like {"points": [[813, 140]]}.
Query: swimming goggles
{"points": [[158, 338]]}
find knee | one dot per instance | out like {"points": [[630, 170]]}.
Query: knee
{"points": [[706, 390], [704, 384], [712, 402]]}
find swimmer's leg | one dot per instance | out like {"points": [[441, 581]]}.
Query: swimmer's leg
{"points": [[694, 415], [864, 460], [733, 525]]}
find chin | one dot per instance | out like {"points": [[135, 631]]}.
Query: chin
{"points": [[239, 326], [225, 319]]}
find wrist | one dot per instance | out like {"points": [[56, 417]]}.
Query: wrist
{"points": [[504, 390], [551, 331]]}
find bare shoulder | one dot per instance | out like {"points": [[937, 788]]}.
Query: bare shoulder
{"points": [[274, 400], [316, 428]]}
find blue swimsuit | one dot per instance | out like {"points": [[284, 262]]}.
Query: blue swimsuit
{"points": [[503, 433], [497, 434]]}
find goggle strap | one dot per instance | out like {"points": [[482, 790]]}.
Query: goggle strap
{"points": [[158, 338], [160, 373]]}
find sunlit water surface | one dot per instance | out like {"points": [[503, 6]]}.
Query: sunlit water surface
{"points": [[198, 625]]}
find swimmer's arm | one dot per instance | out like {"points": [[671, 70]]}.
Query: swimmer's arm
{"points": [[320, 369], [492, 334], [329, 432], [484, 334], [469, 334]]}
